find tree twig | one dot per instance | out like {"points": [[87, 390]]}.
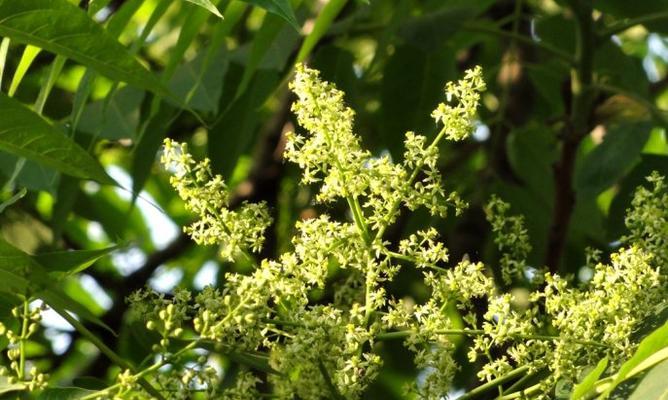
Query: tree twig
{"points": [[575, 131]]}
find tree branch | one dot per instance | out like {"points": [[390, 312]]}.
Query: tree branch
{"points": [[575, 131]]}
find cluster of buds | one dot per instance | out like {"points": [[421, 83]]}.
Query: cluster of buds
{"points": [[168, 323], [29, 322]]}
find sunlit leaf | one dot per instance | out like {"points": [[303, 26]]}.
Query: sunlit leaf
{"points": [[282, 8], [16, 197], [26, 134], [206, 4], [72, 262], [589, 381], [61, 27], [654, 385]]}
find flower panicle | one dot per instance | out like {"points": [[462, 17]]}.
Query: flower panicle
{"points": [[207, 196]]}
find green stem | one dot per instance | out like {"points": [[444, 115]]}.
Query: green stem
{"points": [[140, 375], [281, 322], [368, 310], [631, 22], [216, 215], [519, 383], [328, 381], [229, 315], [358, 217], [522, 394], [549, 337], [403, 334], [105, 349], [360, 223], [397, 202], [404, 257], [495, 382], [24, 335], [475, 332]]}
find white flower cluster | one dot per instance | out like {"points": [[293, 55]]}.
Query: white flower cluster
{"points": [[647, 220], [328, 350], [456, 118], [325, 357], [511, 238], [332, 153], [207, 196]]}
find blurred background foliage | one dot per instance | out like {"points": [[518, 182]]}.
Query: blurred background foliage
{"points": [[567, 164]]}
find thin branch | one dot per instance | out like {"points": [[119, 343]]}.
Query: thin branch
{"points": [[564, 56], [496, 382], [120, 361], [328, 381], [477, 332], [625, 24]]}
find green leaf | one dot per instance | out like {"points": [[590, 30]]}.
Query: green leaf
{"points": [[589, 381], [33, 176], [16, 266], [54, 71], [90, 383], [282, 8], [114, 118], [656, 342], [654, 385], [26, 134], [65, 29], [29, 55], [16, 197], [73, 287], [6, 387], [624, 9], [15, 269], [322, 23], [61, 301], [234, 134], [207, 5], [611, 160], [412, 87], [72, 262], [110, 210], [531, 153], [198, 86], [262, 42], [149, 144], [4, 48], [192, 23], [430, 31]]}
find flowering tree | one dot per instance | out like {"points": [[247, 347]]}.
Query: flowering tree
{"points": [[344, 264]]}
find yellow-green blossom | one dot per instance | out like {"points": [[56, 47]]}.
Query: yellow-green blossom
{"points": [[207, 196]]}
